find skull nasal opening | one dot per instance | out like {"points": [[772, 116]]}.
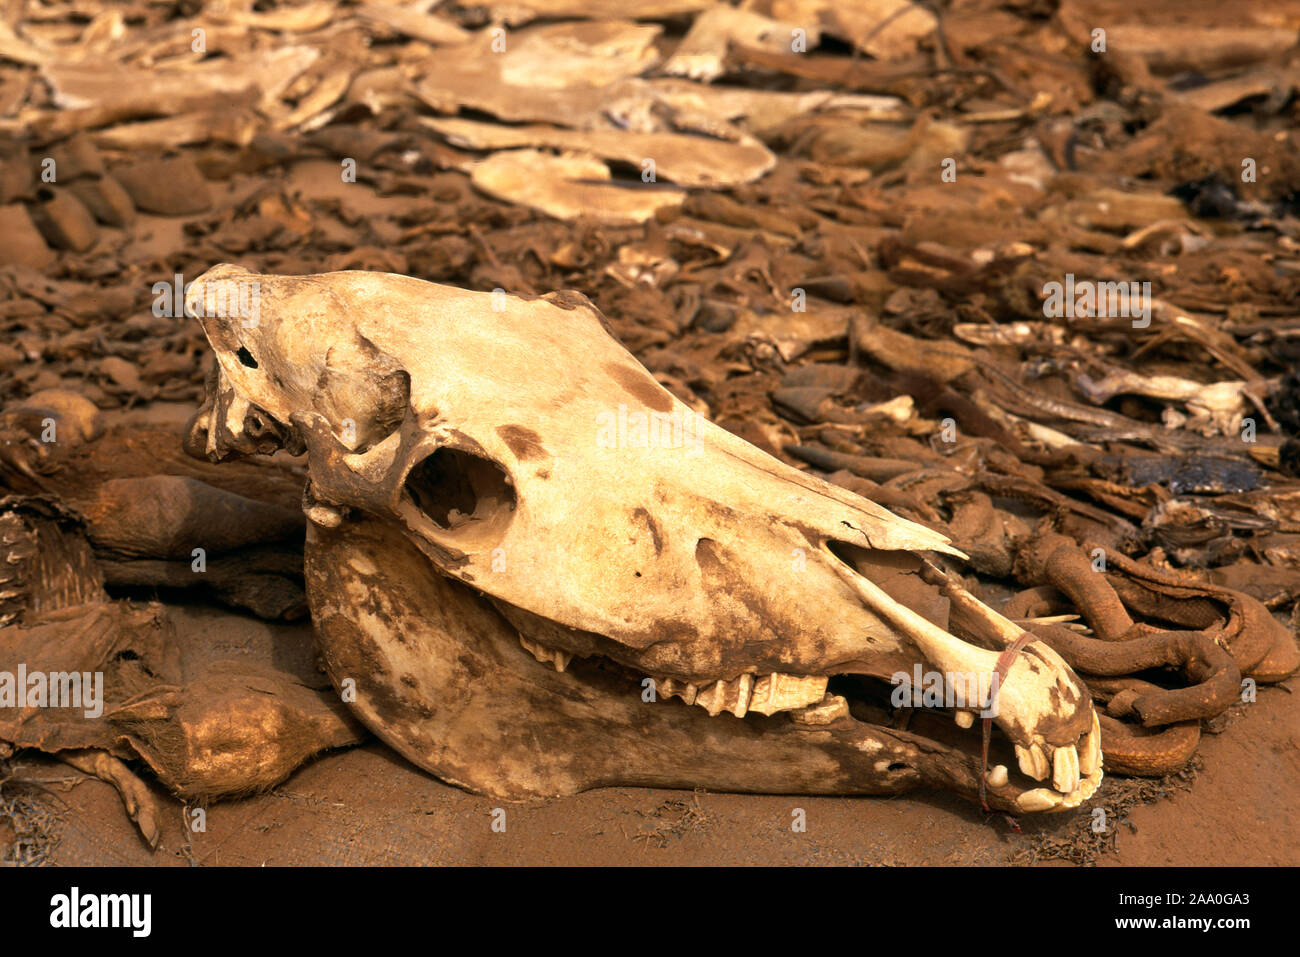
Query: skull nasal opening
{"points": [[455, 489]]}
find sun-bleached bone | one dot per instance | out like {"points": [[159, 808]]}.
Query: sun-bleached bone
{"points": [[509, 459]]}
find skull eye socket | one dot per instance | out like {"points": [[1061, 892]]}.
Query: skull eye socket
{"points": [[455, 489]]}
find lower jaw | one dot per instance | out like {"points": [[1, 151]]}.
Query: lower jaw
{"points": [[436, 672]]}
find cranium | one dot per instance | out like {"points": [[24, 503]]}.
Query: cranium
{"points": [[533, 570]]}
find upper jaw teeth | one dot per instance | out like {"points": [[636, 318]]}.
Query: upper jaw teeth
{"points": [[778, 692], [547, 656], [732, 696], [1065, 769], [1032, 761], [739, 696], [1076, 773]]}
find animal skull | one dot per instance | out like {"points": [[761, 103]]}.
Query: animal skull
{"points": [[541, 572]]}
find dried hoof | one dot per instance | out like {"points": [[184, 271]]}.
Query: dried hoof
{"points": [[39, 432], [236, 730], [136, 796]]}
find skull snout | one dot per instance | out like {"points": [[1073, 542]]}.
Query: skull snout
{"points": [[227, 426]]}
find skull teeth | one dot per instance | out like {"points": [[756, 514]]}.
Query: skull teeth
{"points": [[547, 656], [778, 692], [671, 688], [1039, 799], [1065, 769], [732, 696], [1090, 756], [739, 696], [831, 708], [1033, 761]]}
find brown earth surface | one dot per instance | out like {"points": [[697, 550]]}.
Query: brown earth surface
{"points": [[368, 806]]}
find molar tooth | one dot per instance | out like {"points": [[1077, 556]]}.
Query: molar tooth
{"points": [[1065, 769], [964, 719], [998, 776], [780, 692], [672, 688], [744, 687], [549, 656], [730, 696], [710, 698], [831, 708], [1032, 761]]}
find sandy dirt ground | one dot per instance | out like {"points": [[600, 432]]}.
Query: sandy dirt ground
{"points": [[369, 806]]}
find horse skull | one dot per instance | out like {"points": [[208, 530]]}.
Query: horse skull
{"points": [[541, 572]]}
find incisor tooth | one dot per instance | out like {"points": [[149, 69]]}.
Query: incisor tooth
{"points": [[998, 776], [1065, 769], [1088, 787], [1033, 761], [1039, 799], [778, 692], [964, 719]]}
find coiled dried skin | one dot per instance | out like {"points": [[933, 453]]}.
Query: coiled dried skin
{"points": [[1230, 634]]}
